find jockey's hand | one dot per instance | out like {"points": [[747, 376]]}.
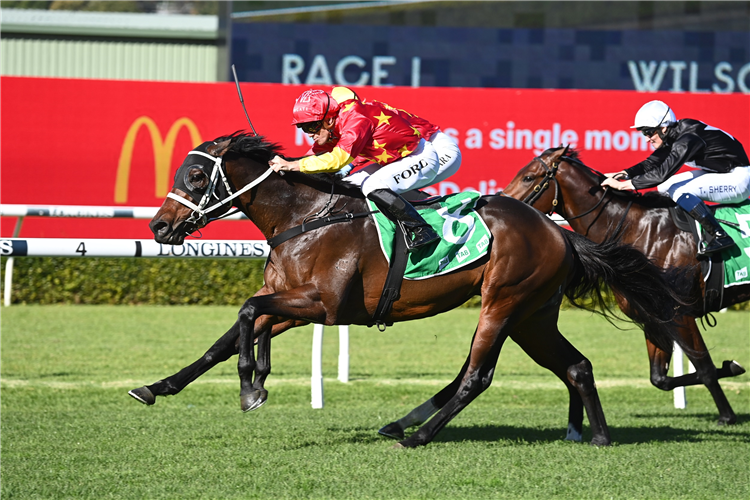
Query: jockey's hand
{"points": [[626, 185], [278, 164]]}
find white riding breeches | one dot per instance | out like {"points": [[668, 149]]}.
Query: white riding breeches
{"points": [[730, 187], [433, 161], [449, 154]]}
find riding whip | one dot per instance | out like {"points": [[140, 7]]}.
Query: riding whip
{"points": [[242, 101]]}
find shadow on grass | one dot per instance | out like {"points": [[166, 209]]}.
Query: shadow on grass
{"points": [[520, 435], [620, 435]]}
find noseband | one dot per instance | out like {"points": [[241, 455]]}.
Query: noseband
{"points": [[199, 215]]}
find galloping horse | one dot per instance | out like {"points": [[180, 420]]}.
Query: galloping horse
{"points": [[335, 274], [557, 181]]}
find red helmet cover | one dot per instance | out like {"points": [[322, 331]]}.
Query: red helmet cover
{"points": [[312, 106]]}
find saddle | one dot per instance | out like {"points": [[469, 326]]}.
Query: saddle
{"points": [[456, 250], [713, 267]]}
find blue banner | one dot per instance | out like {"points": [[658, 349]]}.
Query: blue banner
{"points": [[327, 54]]}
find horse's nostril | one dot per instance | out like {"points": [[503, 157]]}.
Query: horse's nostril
{"points": [[159, 227]]}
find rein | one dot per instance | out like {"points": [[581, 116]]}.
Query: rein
{"points": [[550, 174], [199, 218]]}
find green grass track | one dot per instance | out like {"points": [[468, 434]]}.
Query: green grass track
{"points": [[70, 431]]}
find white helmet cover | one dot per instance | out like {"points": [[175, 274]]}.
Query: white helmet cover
{"points": [[654, 114]]}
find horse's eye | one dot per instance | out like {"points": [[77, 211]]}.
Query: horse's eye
{"points": [[528, 178], [197, 178]]}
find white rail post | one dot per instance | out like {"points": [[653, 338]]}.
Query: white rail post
{"points": [[8, 287], [316, 381], [344, 353], [680, 400]]}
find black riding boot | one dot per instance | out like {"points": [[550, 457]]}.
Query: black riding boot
{"points": [[718, 240], [400, 211]]}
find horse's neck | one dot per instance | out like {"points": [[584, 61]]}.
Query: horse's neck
{"points": [[613, 213], [277, 204]]}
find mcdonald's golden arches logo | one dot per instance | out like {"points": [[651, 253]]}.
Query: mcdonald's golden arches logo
{"points": [[163, 150]]}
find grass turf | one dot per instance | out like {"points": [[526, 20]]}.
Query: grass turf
{"points": [[70, 431]]}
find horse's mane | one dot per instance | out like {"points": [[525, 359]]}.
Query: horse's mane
{"points": [[252, 146], [650, 199], [258, 148]]}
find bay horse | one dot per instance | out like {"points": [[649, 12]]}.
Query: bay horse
{"points": [[334, 275], [557, 181]]}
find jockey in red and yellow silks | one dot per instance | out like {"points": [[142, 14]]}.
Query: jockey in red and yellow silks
{"points": [[350, 129], [362, 130], [447, 149]]}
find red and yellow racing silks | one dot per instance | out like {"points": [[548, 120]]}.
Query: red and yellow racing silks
{"points": [[365, 130], [423, 126]]}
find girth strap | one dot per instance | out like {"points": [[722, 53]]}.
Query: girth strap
{"points": [[393, 280], [311, 226]]}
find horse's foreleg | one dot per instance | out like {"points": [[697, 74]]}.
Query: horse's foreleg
{"points": [[265, 329], [297, 304], [223, 349]]}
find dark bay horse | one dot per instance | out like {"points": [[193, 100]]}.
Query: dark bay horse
{"points": [[557, 181], [335, 274]]}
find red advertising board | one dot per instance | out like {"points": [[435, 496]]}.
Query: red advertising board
{"points": [[118, 143]]}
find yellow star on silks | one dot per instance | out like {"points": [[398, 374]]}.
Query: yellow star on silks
{"points": [[383, 158], [416, 132], [404, 151], [347, 107], [383, 118], [376, 144]]}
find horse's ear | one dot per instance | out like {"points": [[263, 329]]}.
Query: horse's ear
{"points": [[219, 149], [557, 154]]}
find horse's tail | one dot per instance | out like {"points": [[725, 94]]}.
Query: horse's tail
{"points": [[633, 276]]}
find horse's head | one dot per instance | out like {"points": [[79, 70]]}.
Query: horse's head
{"points": [[536, 183], [199, 184], [210, 181]]}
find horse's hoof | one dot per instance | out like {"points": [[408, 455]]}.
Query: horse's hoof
{"points": [[601, 441], [574, 434], [730, 420], [144, 395], [393, 431], [398, 446], [253, 400], [734, 367]]}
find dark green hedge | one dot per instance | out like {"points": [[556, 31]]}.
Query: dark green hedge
{"points": [[146, 281], [135, 281]]}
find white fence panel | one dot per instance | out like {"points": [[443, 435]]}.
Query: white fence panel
{"points": [[92, 247]]}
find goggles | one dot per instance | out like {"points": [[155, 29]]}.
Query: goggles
{"points": [[648, 131], [311, 127]]}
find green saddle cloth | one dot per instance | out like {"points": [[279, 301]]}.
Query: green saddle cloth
{"points": [[736, 259], [464, 237]]}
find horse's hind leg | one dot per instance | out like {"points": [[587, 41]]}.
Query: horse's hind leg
{"points": [[223, 349], [423, 412], [540, 338], [706, 373], [479, 369]]}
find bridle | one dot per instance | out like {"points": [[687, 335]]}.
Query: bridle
{"points": [[550, 175], [539, 189], [199, 215]]}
